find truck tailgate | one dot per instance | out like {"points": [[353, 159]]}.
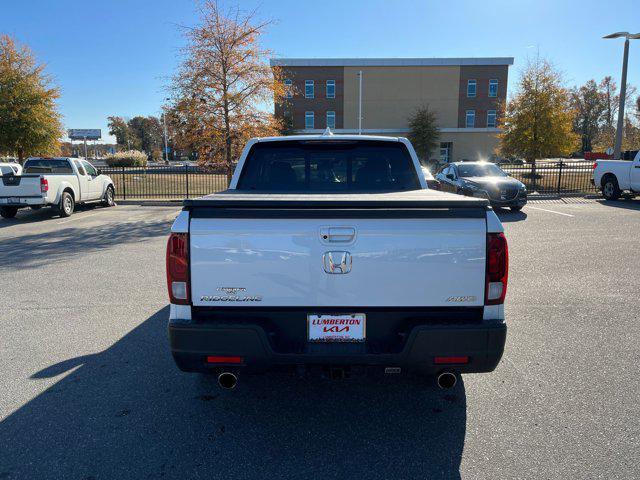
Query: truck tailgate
{"points": [[371, 253], [20, 186]]}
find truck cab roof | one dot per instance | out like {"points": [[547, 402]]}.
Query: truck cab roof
{"points": [[330, 137]]}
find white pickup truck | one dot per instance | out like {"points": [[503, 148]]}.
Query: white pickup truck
{"points": [[58, 182], [615, 177], [331, 253]]}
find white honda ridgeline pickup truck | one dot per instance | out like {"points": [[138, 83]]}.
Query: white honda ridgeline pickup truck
{"points": [[61, 183], [330, 253]]}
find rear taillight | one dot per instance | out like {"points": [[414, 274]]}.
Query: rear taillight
{"points": [[497, 269], [178, 268], [44, 185], [595, 165]]}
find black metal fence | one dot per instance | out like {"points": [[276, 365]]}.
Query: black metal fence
{"points": [[554, 178], [164, 182], [184, 181]]}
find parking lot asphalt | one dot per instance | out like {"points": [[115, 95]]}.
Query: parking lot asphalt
{"points": [[88, 389]]}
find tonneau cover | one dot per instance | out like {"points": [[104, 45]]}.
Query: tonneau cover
{"points": [[418, 199]]}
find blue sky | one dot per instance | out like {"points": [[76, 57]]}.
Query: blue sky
{"points": [[115, 57]]}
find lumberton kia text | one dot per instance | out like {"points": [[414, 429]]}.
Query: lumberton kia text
{"points": [[335, 325]]}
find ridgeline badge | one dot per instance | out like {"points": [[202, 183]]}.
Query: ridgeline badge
{"points": [[231, 296]]}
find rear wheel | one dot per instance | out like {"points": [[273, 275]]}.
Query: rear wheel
{"points": [[66, 205], [8, 212], [610, 188], [108, 199]]}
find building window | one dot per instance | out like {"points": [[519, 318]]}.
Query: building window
{"points": [[331, 119], [471, 88], [331, 89], [308, 89], [470, 121], [288, 88], [308, 120], [491, 118], [493, 87]]}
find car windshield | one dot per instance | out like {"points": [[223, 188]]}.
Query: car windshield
{"points": [[329, 166], [45, 165], [480, 170], [6, 170]]}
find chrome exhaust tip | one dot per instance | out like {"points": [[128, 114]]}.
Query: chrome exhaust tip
{"points": [[227, 380], [447, 380]]}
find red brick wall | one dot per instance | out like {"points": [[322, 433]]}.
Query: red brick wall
{"points": [[320, 104], [481, 102]]}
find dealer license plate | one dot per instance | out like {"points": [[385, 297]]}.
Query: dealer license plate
{"points": [[337, 328]]}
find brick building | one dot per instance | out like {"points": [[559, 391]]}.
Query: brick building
{"points": [[465, 94]]}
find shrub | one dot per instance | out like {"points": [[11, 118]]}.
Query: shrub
{"points": [[130, 158]]}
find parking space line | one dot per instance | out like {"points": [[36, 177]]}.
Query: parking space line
{"points": [[77, 217], [551, 211]]}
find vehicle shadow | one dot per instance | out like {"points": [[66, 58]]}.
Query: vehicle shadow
{"points": [[127, 412], [27, 215], [509, 215], [59, 245], [628, 203]]}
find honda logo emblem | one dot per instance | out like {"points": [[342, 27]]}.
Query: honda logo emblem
{"points": [[337, 262]]}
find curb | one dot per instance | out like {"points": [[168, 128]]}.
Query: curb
{"points": [[151, 203]]}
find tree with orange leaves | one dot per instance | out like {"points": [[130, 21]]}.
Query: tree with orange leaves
{"points": [[223, 85]]}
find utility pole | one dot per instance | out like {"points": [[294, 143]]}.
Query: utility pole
{"points": [[360, 102]]}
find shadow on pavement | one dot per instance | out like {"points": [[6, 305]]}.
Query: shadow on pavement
{"points": [[628, 203], [58, 245], [127, 412], [27, 215], [510, 216]]}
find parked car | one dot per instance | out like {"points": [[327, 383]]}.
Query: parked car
{"points": [[430, 179], [60, 183], [614, 177], [10, 169], [330, 251], [483, 180]]}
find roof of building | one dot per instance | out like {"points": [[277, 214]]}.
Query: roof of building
{"points": [[388, 62]]}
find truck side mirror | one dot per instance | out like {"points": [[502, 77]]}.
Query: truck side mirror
{"points": [[450, 176]]}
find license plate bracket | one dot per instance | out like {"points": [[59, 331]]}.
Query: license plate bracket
{"points": [[349, 327]]}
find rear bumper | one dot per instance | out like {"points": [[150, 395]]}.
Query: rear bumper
{"points": [[483, 342], [22, 201]]}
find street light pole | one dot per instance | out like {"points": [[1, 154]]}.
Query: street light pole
{"points": [[360, 102], [166, 149], [623, 89], [623, 96]]}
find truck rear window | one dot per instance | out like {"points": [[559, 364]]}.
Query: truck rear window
{"points": [[329, 166], [43, 165]]}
